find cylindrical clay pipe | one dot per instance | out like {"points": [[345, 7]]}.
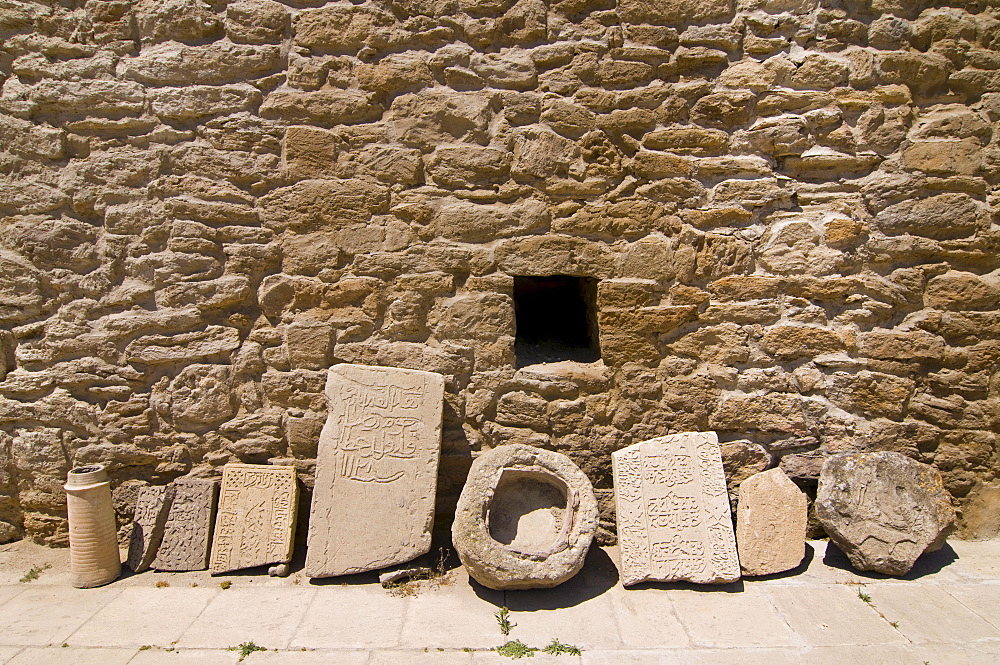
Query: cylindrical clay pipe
{"points": [[93, 535]]}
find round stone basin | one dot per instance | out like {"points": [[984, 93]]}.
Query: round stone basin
{"points": [[528, 511]]}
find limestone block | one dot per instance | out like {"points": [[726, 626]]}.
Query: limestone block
{"points": [[310, 344], [256, 517], [148, 522], [883, 509], [770, 523], [325, 107], [201, 395], [171, 63], [188, 531], [376, 469], [199, 101], [213, 341], [673, 11], [179, 20], [525, 519], [256, 21], [673, 512]]}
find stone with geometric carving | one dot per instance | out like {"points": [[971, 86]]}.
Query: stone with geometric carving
{"points": [[770, 524], [255, 525], [188, 532], [148, 522], [673, 512], [376, 469]]}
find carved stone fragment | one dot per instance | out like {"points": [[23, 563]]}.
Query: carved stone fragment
{"points": [[673, 511], [376, 470], [188, 532], [770, 523], [148, 522], [883, 509], [255, 525], [525, 519]]}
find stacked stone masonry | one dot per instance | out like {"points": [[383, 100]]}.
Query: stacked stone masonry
{"points": [[790, 208]]}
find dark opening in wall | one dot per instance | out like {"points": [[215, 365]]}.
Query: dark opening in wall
{"points": [[556, 319]]}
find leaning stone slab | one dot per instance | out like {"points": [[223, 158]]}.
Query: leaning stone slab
{"points": [[376, 469], [770, 524], [673, 512], [255, 524], [188, 532], [148, 523], [883, 509], [525, 518]]}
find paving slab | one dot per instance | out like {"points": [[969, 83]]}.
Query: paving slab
{"points": [[351, 617], [453, 617], [980, 653], [185, 657], [646, 619], [926, 613], [832, 616], [724, 619], [268, 616], [873, 654], [72, 656], [156, 617], [429, 657], [8, 593], [743, 657], [588, 625], [636, 657], [6, 653], [310, 657], [981, 598], [49, 615], [493, 658]]}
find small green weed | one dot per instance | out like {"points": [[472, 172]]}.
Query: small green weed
{"points": [[503, 620], [34, 572], [864, 597], [225, 585], [245, 649], [516, 649], [145, 647], [162, 585], [557, 648]]}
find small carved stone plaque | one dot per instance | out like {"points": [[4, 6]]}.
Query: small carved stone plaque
{"points": [[673, 511], [376, 470], [255, 525], [188, 532], [770, 523], [148, 522]]}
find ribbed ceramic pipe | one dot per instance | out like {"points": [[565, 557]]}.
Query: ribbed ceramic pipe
{"points": [[93, 535]]}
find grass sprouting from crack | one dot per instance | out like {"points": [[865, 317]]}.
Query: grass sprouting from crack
{"points": [[503, 620], [864, 596], [557, 648], [34, 572], [516, 649], [245, 649]]}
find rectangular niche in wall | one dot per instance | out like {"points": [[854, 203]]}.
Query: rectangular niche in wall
{"points": [[556, 319]]}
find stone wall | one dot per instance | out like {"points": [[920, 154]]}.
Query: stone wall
{"points": [[790, 207]]}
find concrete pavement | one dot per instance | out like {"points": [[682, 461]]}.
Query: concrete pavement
{"points": [[947, 611]]}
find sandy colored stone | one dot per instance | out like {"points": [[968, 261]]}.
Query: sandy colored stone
{"points": [[376, 476], [255, 523], [525, 519], [151, 509], [673, 513], [770, 524], [883, 509], [188, 532]]}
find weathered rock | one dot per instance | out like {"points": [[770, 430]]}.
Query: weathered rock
{"points": [[377, 460], [525, 518], [883, 509], [151, 509], [201, 101], [187, 534], [255, 522], [256, 21], [672, 509], [171, 63], [771, 521], [201, 396]]}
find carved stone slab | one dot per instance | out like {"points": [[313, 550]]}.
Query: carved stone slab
{"points": [[770, 523], [188, 532], [673, 511], [148, 522], [376, 470], [255, 525]]}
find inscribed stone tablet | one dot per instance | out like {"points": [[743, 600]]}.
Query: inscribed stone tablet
{"points": [[188, 531], [770, 523], [376, 470], [673, 511], [255, 525], [148, 522]]}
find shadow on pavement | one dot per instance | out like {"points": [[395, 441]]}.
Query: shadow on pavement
{"points": [[928, 563]]}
